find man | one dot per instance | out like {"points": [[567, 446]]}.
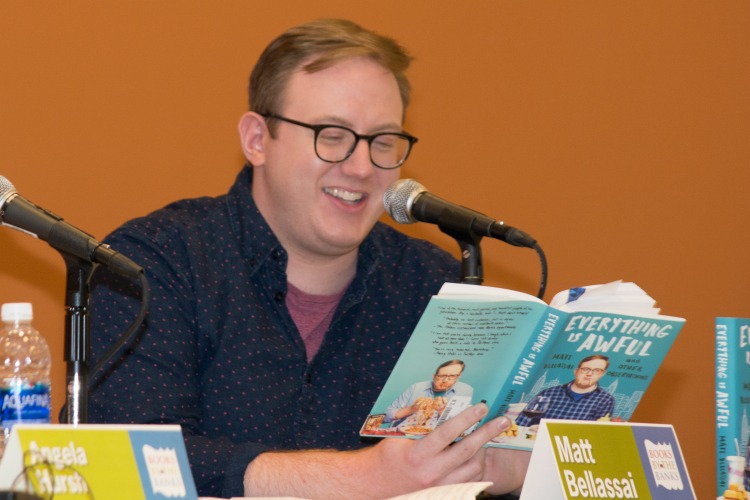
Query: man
{"points": [[278, 310], [443, 386], [580, 399]]}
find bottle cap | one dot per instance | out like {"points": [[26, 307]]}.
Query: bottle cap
{"points": [[17, 311]]}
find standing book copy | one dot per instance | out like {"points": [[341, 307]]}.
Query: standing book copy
{"points": [[732, 400], [590, 355]]}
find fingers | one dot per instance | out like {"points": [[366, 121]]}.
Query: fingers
{"points": [[447, 433], [475, 441], [439, 458], [468, 454], [490, 429], [469, 470]]}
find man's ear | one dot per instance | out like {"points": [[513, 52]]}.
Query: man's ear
{"points": [[253, 133]]}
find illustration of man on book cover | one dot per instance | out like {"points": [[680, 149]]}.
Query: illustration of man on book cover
{"points": [[424, 404], [580, 399], [604, 387]]}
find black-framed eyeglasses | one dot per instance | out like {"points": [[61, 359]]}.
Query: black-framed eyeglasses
{"points": [[334, 143], [595, 371]]}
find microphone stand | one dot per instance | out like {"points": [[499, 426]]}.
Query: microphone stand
{"points": [[77, 337], [452, 224], [471, 260]]}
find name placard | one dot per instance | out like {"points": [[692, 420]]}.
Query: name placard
{"points": [[606, 460], [98, 461]]}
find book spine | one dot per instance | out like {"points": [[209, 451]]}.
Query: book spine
{"points": [[732, 354], [527, 364]]}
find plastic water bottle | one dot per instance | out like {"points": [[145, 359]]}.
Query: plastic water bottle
{"points": [[24, 370]]}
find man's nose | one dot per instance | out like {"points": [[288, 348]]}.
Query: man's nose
{"points": [[359, 163]]}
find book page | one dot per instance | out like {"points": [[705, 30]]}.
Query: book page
{"points": [[624, 298], [474, 292], [460, 491]]}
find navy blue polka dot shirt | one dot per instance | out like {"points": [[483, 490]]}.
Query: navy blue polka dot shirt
{"points": [[219, 353]]}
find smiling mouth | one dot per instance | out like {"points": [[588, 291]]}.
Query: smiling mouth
{"points": [[344, 195]]}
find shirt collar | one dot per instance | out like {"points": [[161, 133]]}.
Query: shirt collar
{"points": [[259, 243]]}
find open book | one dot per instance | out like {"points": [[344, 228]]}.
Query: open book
{"points": [[590, 355]]}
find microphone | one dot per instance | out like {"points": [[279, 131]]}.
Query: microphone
{"points": [[407, 201], [19, 213]]}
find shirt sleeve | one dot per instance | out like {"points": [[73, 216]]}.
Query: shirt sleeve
{"points": [[466, 390]]}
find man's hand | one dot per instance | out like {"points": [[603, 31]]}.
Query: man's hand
{"points": [[392, 467], [506, 469]]}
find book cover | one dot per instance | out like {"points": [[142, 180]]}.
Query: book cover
{"points": [[732, 336], [589, 355]]}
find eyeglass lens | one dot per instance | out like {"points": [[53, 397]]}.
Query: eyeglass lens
{"points": [[387, 150], [595, 371]]}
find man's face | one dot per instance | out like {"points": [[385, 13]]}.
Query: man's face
{"points": [[588, 374], [446, 377], [326, 209]]}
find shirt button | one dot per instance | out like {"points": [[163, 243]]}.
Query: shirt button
{"points": [[276, 254], [279, 297]]}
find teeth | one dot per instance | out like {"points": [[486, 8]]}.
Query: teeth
{"points": [[344, 195]]}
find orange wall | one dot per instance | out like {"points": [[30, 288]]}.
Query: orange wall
{"points": [[616, 133]]}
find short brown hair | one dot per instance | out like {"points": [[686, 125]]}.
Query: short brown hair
{"points": [[593, 357], [322, 43], [450, 363]]}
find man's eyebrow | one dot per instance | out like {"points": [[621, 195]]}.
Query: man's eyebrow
{"points": [[336, 120]]}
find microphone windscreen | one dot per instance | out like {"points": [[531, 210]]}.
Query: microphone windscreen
{"points": [[399, 197], [6, 191], [5, 186]]}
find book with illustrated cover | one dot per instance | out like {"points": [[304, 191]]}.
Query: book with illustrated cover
{"points": [[589, 355], [732, 379]]}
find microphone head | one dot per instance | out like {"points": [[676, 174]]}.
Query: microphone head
{"points": [[399, 197], [5, 185], [6, 190]]}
